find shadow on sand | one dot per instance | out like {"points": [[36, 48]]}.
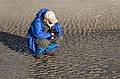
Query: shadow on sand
{"points": [[14, 42], [18, 44]]}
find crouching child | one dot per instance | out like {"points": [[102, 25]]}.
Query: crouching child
{"points": [[44, 33]]}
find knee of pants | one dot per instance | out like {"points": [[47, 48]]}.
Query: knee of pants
{"points": [[42, 43]]}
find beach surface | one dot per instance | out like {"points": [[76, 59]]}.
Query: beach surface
{"points": [[91, 46]]}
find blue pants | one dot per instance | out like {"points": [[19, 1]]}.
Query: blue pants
{"points": [[47, 48]]}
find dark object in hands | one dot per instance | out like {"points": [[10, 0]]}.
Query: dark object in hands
{"points": [[53, 31]]}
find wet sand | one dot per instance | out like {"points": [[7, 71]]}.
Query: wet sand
{"points": [[91, 46]]}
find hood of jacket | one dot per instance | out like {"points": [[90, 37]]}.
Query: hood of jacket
{"points": [[41, 11]]}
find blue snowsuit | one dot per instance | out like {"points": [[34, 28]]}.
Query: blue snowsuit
{"points": [[36, 30]]}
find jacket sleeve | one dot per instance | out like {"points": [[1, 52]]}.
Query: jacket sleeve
{"points": [[58, 29], [39, 32]]}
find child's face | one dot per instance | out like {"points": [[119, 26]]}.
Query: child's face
{"points": [[48, 22]]}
